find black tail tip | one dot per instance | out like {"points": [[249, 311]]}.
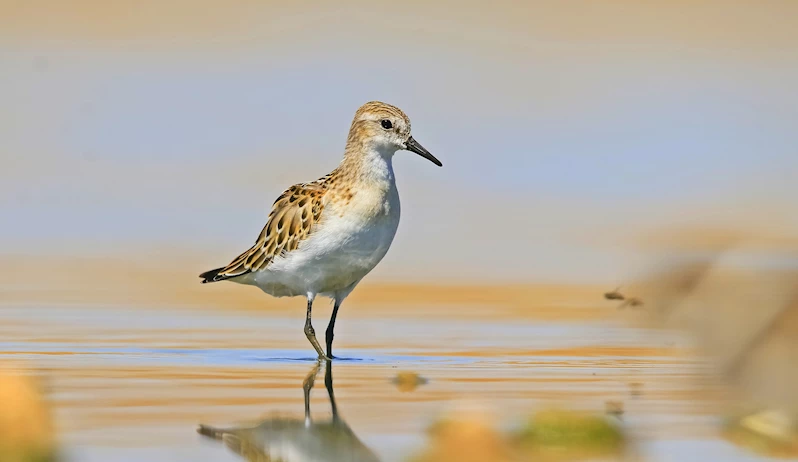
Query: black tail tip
{"points": [[209, 276], [210, 432]]}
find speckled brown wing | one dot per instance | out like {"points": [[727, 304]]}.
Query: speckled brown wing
{"points": [[292, 219]]}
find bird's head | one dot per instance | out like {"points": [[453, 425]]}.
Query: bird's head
{"points": [[384, 128]]}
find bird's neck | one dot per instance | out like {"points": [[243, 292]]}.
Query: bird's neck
{"points": [[368, 164]]}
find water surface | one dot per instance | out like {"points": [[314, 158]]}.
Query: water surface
{"points": [[132, 383]]}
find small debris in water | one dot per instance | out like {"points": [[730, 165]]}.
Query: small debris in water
{"points": [[634, 302], [614, 408], [408, 381], [636, 389], [614, 295]]}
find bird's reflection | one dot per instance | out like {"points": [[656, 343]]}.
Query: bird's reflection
{"points": [[295, 439]]}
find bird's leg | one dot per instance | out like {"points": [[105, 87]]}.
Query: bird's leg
{"points": [[328, 384], [307, 385], [310, 333], [330, 327]]}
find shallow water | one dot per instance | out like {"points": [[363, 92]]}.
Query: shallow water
{"points": [[134, 383]]}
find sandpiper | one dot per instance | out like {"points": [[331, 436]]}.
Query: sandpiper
{"points": [[323, 237]]}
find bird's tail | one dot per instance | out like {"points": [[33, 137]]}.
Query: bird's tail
{"points": [[231, 440], [237, 267], [211, 276], [211, 432]]}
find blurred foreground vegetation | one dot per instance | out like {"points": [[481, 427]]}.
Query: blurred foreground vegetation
{"points": [[549, 435], [26, 427]]}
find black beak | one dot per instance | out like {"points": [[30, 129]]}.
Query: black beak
{"points": [[413, 146]]}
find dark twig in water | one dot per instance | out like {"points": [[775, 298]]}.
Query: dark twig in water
{"points": [[614, 295], [634, 302]]}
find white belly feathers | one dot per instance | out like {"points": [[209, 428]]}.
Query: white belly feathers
{"points": [[339, 253]]}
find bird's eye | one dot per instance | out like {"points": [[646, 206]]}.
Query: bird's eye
{"points": [[386, 124]]}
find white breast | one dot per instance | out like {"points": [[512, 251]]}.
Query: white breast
{"points": [[347, 244]]}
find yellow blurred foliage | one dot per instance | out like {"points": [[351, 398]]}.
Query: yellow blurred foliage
{"points": [[26, 428], [550, 435], [465, 437]]}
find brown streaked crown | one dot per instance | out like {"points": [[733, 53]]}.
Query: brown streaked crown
{"points": [[377, 110]]}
